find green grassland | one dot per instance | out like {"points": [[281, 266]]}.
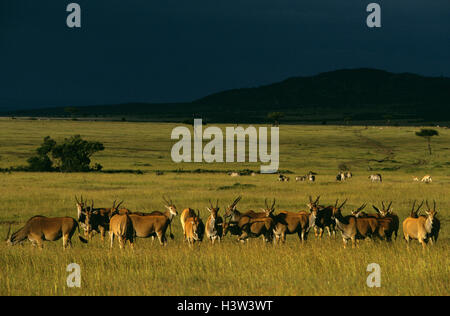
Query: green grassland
{"points": [[320, 267]]}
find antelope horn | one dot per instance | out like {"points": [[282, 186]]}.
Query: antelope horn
{"points": [[428, 205], [434, 205], [165, 200], [419, 206], [310, 199], [273, 204], [389, 206], [9, 231], [342, 205], [382, 204], [210, 204], [237, 200], [317, 200], [217, 203], [265, 203], [76, 199], [118, 205], [114, 204], [82, 202], [362, 207], [335, 204], [414, 205]]}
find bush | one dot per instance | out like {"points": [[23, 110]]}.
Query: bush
{"points": [[73, 155]]}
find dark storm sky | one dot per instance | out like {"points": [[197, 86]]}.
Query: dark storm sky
{"points": [[180, 50]]}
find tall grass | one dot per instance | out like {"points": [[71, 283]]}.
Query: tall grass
{"points": [[319, 267]]}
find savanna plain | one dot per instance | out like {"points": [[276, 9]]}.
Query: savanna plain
{"points": [[319, 267]]}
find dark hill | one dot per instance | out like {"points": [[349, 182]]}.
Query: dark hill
{"points": [[354, 95]]}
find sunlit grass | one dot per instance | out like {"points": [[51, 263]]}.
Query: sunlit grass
{"points": [[319, 267]]}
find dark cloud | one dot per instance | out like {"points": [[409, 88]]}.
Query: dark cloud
{"points": [[180, 50]]}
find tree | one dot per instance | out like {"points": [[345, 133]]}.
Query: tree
{"points": [[275, 117], [73, 155], [42, 161], [427, 134]]}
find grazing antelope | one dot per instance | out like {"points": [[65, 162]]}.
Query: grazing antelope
{"points": [[291, 223], [420, 228], [187, 213], [427, 179], [40, 228], [375, 177], [283, 178], [347, 225], [214, 223], [258, 226], [311, 177], [323, 218], [348, 175], [97, 219], [436, 224], [415, 179], [234, 174], [238, 220], [388, 220], [194, 229], [121, 226], [155, 223], [81, 210], [352, 227]]}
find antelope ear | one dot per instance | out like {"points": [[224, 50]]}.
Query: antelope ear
{"points": [[167, 207], [209, 209], [263, 209]]}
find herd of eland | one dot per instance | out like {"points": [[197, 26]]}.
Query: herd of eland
{"points": [[126, 225]]}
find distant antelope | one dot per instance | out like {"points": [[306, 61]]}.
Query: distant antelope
{"points": [[214, 223], [234, 174], [348, 175], [375, 177], [340, 176], [40, 228], [311, 177], [155, 224], [415, 179], [427, 179], [300, 178], [194, 229], [121, 226], [423, 228], [283, 178]]}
